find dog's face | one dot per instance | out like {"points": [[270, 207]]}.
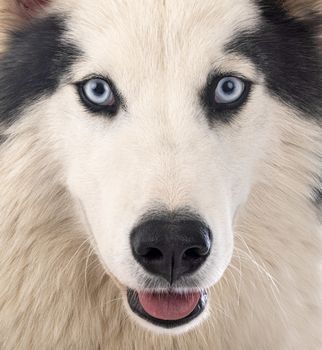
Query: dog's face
{"points": [[168, 153], [160, 114]]}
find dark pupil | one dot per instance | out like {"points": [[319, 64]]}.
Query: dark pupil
{"points": [[228, 87], [99, 89]]}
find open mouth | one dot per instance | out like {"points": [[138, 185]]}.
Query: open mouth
{"points": [[167, 310]]}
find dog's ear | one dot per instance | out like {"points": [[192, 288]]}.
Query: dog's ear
{"points": [[31, 8], [303, 9], [14, 13], [307, 11]]}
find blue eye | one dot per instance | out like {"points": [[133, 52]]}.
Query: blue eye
{"points": [[98, 92], [229, 90], [99, 96], [224, 95]]}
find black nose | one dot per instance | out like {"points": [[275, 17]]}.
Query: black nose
{"points": [[171, 246]]}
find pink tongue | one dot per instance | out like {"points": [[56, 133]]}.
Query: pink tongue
{"points": [[169, 306]]}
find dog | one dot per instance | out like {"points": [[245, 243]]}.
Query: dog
{"points": [[160, 175]]}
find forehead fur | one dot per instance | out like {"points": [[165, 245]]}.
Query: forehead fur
{"points": [[151, 36]]}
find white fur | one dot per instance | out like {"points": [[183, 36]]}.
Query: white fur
{"points": [[73, 185]]}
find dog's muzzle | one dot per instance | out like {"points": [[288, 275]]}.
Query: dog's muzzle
{"points": [[170, 247]]}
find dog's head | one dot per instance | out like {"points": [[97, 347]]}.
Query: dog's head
{"points": [[160, 114]]}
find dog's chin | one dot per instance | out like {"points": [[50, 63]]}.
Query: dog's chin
{"points": [[167, 312]]}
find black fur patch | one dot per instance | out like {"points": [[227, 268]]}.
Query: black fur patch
{"points": [[286, 51], [317, 201], [32, 67], [317, 195]]}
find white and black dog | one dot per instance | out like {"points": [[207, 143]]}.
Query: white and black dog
{"points": [[160, 175]]}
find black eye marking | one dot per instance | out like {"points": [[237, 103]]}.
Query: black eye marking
{"points": [[38, 58], [99, 95], [224, 95], [287, 52]]}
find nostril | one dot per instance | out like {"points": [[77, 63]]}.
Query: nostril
{"points": [[194, 253], [153, 254]]}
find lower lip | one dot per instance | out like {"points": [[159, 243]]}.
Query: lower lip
{"points": [[180, 318]]}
